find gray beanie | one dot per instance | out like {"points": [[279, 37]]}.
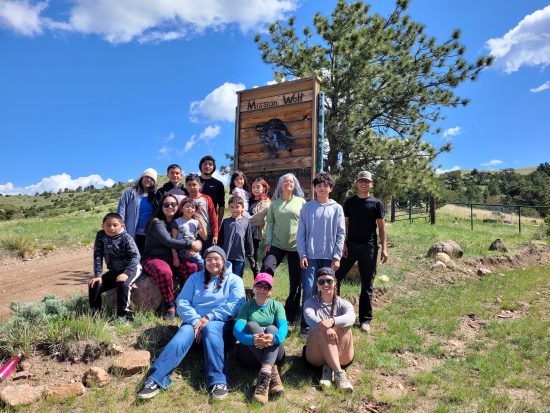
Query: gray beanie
{"points": [[215, 248]]}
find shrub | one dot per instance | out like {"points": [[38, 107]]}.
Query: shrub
{"points": [[19, 244]]}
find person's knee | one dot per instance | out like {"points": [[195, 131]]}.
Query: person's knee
{"points": [[252, 327], [212, 328], [271, 329]]}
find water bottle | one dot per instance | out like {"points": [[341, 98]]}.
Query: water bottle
{"points": [[9, 366]]}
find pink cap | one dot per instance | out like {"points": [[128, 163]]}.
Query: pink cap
{"points": [[264, 277]]}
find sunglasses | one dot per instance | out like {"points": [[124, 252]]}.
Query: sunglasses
{"points": [[323, 281], [169, 204], [260, 286]]}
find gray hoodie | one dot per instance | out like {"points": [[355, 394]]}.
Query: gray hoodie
{"points": [[321, 230]]}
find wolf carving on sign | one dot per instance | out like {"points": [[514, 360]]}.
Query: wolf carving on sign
{"points": [[275, 136]]}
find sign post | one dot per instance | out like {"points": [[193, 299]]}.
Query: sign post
{"points": [[276, 131]]}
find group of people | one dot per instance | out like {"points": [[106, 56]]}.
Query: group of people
{"points": [[173, 234]]}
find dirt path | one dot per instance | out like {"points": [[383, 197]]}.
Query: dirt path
{"points": [[62, 272]]}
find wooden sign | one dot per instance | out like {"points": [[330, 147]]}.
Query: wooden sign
{"points": [[276, 132]]}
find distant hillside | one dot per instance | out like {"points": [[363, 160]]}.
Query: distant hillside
{"points": [[519, 171]]}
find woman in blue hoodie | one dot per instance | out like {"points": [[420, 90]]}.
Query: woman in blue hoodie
{"points": [[207, 304]]}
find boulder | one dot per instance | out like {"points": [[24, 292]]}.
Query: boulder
{"points": [[145, 294], [131, 362], [498, 245], [96, 376], [450, 247], [439, 266], [442, 257], [67, 390], [15, 395]]}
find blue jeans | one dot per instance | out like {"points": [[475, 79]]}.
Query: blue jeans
{"points": [[238, 267], [172, 355], [309, 275]]}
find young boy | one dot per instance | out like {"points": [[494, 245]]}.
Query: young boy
{"points": [[173, 186], [236, 237], [321, 235], [114, 245], [205, 209]]}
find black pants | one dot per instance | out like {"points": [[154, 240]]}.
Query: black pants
{"points": [[140, 243], [252, 357], [255, 268], [270, 264], [365, 255], [123, 291]]}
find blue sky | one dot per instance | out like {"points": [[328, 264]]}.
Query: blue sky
{"points": [[91, 93]]}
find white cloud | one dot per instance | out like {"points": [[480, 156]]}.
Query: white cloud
{"points": [[544, 86], [527, 44], [493, 162], [452, 131], [22, 17], [218, 105], [164, 150], [123, 21], [209, 133], [56, 182], [442, 171], [170, 137], [224, 178]]}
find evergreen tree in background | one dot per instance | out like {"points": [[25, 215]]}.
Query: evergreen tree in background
{"points": [[385, 82]]}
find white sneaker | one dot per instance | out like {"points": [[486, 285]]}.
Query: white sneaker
{"points": [[365, 327], [342, 381], [326, 377]]}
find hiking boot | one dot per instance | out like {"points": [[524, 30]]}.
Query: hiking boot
{"points": [[326, 377], [262, 387], [365, 327], [150, 390], [275, 384], [342, 381], [218, 391]]}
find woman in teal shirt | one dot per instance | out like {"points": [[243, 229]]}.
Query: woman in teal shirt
{"points": [[261, 329]]}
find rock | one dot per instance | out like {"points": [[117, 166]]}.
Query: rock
{"points": [[25, 366], [67, 390], [483, 271], [451, 248], [498, 245], [383, 278], [439, 266], [21, 375], [96, 376], [131, 362], [15, 395], [115, 350], [442, 257], [145, 295]]}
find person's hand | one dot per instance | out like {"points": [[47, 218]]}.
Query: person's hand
{"points": [[327, 323], [122, 277], [196, 245], [191, 253], [335, 264], [345, 251], [176, 261], [94, 281], [215, 241], [303, 263], [199, 325], [263, 340], [331, 335], [267, 248], [384, 255]]}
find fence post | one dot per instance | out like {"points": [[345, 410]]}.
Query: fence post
{"points": [[392, 213], [519, 219], [432, 210], [410, 211], [472, 217]]}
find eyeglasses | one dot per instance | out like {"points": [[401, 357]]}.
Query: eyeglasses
{"points": [[323, 281], [169, 204], [213, 259], [261, 286]]}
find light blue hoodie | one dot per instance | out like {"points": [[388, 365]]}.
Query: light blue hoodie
{"points": [[321, 230], [222, 304]]}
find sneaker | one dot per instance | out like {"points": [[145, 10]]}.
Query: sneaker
{"points": [[342, 381], [150, 390], [365, 327], [304, 331], [275, 385], [218, 391], [326, 377], [170, 314], [262, 387]]}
